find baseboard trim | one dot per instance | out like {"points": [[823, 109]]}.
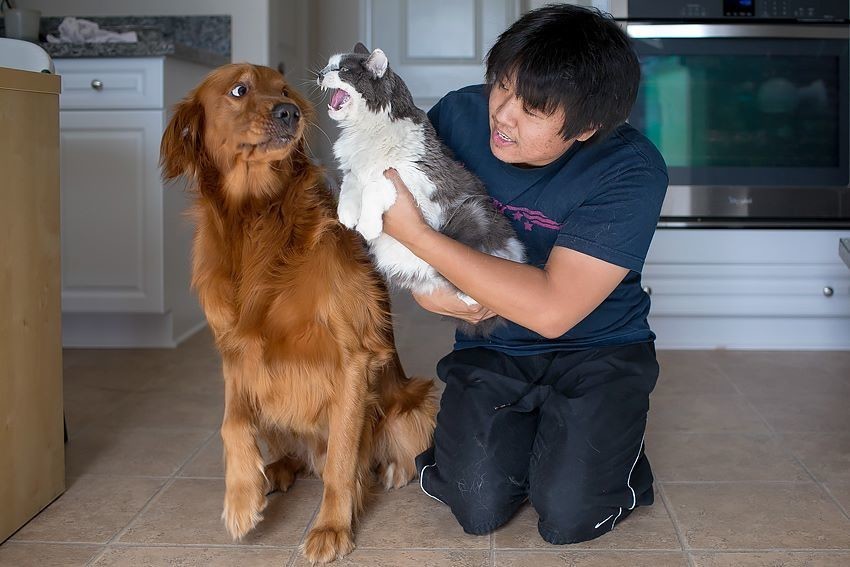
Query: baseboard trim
{"points": [[124, 330], [752, 333]]}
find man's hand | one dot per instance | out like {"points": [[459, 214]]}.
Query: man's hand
{"points": [[446, 302], [403, 221]]}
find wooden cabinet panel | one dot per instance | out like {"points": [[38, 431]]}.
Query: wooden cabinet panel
{"points": [[32, 466]]}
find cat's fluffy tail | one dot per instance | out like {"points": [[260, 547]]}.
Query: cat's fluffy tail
{"points": [[483, 329]]}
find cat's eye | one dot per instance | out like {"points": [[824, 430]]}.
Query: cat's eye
{"points": [[341, 69], [239, 90]]}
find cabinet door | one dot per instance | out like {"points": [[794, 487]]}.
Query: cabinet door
{"points": [[111, 211], [437, 45]]}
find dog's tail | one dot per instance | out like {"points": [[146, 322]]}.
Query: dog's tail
{"points": [[406, 426]]}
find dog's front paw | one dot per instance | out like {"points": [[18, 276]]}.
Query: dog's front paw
{"points": [[324, 544], [370, 228], [242, 511]]}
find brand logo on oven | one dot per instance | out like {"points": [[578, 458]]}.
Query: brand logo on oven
{"points": [[740, 201]]}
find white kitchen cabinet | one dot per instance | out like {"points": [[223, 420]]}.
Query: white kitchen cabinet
{"points": [[125, 240], [111, 211], [748, 289]]}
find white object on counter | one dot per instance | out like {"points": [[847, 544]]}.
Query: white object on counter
{"points": [[25, 56], [78, 30]]}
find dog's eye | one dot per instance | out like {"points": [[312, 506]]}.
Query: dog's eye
{"points": [[238, 90], [285, 92]]}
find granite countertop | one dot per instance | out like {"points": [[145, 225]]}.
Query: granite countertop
{"points": [[200, 39]]}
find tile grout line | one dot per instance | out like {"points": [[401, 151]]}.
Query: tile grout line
{"points": [[834, 499], [676, 527], [165, 486], [787, 450], [123, 530], [297, 551], [206, 443], [493, 548]]}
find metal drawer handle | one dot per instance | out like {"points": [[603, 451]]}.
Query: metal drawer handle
{"points": [[828, 291], [97, 84], [647, 290]]}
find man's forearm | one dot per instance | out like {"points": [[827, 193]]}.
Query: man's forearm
{"points": [[518, 292]]}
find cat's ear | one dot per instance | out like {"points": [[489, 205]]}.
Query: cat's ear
{"points": [[361, 49], [377, 63]]}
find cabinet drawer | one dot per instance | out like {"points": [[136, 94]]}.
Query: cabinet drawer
{"points": [[111, 83]]}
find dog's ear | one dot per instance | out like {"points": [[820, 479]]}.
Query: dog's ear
{"points": [[182, 143], [361, 49], [377, 63]]}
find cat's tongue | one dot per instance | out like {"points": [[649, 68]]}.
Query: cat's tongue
{"points": [[338, 98]]}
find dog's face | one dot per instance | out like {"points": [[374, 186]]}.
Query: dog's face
{"points": [[239, 114]]}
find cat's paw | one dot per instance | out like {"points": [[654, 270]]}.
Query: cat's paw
{"points": [[370, 228], [348, 212]]}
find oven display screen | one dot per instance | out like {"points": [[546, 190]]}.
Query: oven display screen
{"points": [[739, 8]]}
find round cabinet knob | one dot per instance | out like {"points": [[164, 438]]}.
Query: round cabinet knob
{"points": [[828, 291], [97, 85], [647, 290]]}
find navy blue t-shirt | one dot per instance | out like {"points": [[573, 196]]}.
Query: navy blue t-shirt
{"points": [[601, 199]]}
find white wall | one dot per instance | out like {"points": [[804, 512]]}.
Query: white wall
{"points": [[249, 18], [335, 26]]}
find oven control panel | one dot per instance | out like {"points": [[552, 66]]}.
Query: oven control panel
{"points": [[798, 10]]}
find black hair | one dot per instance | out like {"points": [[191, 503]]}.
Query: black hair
{"points": [[571, 58]]}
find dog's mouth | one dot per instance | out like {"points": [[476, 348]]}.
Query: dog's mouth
{"points": [[339, 98], [274, 142]]}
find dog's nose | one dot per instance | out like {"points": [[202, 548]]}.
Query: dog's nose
{"points": [[287, 113]]}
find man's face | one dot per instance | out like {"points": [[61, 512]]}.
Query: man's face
{"points": [[524, 136]]}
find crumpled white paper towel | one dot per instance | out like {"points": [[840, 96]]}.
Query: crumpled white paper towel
{"points": [[79, 30]]}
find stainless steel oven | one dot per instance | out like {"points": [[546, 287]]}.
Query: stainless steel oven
{"points": [[749, 102]]}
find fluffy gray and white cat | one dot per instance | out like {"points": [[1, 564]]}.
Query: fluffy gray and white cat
{"points": [[383, 128]]}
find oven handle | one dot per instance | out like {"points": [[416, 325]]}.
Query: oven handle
{"points": [[699, 31]]}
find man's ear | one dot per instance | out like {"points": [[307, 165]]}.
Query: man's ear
{"points": [[182, 143], [587, 134], [361, 49], [377, 63]]}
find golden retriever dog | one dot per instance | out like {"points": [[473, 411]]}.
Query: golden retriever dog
{"points": [[299, 314]]}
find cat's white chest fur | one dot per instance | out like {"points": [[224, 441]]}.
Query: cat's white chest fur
{"points": [[364, 152]]}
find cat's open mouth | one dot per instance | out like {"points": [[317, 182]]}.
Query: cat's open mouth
{"points": [[338, 99]]}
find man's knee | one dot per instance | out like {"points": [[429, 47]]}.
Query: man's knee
{"points": [[479, 501], [483, 512], [575, 525], [573, 520]]}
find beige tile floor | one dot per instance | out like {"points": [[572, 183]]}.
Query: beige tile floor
{"points": [[751, 452]]}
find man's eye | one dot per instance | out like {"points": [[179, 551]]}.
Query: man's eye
{"points": [[503, 86], [238, 90], [531, 113]]}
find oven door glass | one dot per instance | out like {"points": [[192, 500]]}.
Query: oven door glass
{"points": [[746, 110]]}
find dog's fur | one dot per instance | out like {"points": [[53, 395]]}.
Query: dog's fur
{"points": [[298, 312]]}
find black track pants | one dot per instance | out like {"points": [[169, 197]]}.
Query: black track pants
{"points": [[563, 429]]}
